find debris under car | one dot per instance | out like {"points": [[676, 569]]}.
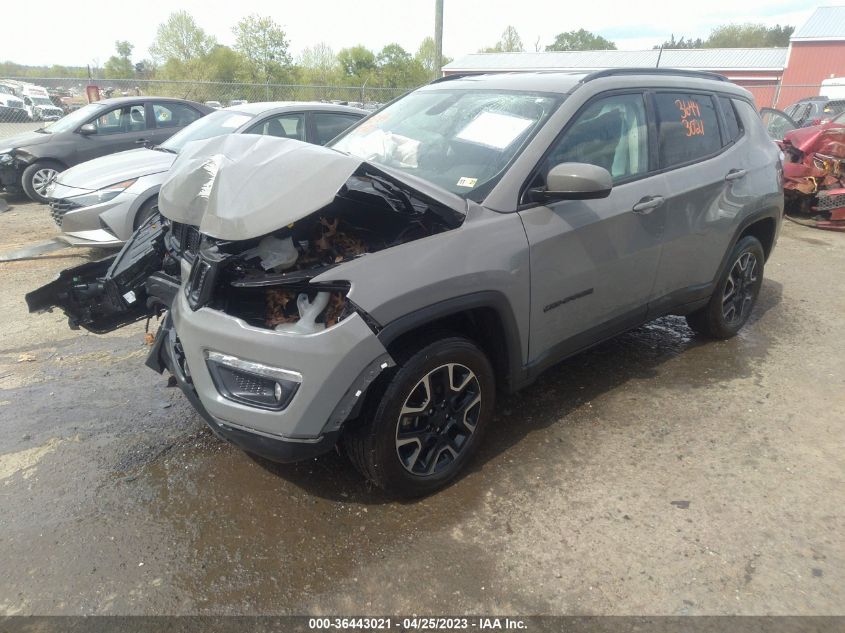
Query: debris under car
{"points": [[814, 175]]}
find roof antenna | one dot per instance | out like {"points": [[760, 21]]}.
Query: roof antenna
{"points": [[659, 54]]}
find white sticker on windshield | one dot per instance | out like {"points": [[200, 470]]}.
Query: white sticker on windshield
{"points": [[467, 182], [494, 129]]}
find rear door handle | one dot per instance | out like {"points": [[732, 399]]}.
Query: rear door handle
{"points": [[140, 141], [735, 174], [647, 204]]}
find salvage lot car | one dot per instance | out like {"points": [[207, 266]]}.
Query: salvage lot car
{"points": [[31, 161], [814, 169], [103, 201], [459, 241]]}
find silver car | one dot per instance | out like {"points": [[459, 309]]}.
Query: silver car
{"points": [[103, 201], [378, 292]]}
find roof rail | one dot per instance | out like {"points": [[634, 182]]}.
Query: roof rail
{"points": [[611, 72], [457, 76]]}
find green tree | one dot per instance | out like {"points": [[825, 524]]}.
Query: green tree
{"points": [[223, 64], [120, 66], [681, 43], [398, 68], [425, 57], [580, 40], [318, 64], [182, 40], [358, 62], [749, 35], [509, 43], [264, 46]]}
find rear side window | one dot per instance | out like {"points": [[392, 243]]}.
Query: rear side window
{"points": [[327, 125], [733, 129], [688, 129], [170, 114]]}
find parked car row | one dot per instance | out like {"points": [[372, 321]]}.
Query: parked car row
{"points": [[376, 293]]}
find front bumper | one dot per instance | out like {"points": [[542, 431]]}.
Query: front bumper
{"points": [[166, 354], [337, 365]]}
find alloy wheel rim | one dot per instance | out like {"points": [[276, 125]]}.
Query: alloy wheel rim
{"points": [[42, 179], [437, 419], [740, 288]]}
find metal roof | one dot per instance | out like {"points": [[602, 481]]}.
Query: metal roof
{"points": [[701, 58], [825, 23]]}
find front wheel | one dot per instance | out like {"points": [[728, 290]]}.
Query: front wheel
{"points": [[37, 177], [423, 422], [736, 293]]}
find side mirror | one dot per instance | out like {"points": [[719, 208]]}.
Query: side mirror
{"points": [[88, 128], [574, 181]]}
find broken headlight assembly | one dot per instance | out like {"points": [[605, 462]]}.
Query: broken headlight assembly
{"points": [[105, 194]]}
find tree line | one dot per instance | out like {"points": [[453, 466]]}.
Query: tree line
{"points": [[182, 50]]}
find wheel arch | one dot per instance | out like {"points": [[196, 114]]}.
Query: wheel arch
{"points": [[485, 318]]}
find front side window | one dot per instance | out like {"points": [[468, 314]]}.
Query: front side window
{"points": [[327, 125], [687, 127], [281, 125], [459, 139], [112, 121], [173, 115], [611, 133], [215, 124]]}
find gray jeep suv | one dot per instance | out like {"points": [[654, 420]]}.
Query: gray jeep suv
{"points": [[378, 292]]}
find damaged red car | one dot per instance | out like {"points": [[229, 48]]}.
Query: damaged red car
{"points": [[814, 169]]}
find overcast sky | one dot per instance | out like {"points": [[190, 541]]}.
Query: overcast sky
{"points": [[78, 32]]}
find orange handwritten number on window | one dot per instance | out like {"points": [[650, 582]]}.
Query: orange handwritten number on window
{"points": [[691, 117]]}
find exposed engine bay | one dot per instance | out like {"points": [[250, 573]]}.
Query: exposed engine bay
{"points": [[264, 280]]}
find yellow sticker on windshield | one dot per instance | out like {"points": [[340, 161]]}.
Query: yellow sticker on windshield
{"points": [[467, 182]]}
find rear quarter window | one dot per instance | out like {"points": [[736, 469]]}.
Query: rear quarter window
{"points": [[687, 127], [733, 128]]}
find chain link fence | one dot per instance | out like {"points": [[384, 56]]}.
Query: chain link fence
{"points": [[68, 94]]}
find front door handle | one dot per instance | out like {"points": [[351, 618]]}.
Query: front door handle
{"points": [[647, 204], [735, 174], [140, 141]]}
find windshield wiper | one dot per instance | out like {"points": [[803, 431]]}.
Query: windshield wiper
{"points": [[162, 148], [42, 130]]}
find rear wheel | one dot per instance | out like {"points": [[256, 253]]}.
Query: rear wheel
{"points": [[423, 422], [736, 293], [37, 177]]}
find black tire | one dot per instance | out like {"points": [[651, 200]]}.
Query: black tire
{"points": [[735, 294], [147, 210], [373, 445], [33, 179]]}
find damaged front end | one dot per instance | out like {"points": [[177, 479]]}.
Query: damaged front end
{"points": [[814, 176], [251, 224]]}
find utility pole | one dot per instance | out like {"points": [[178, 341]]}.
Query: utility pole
{"points": [[438, 37]]}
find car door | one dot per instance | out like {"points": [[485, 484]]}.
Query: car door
{"points": [[593, 262], [166, 118], [324, 126], [705, 155], [777, 123], [115, 130]]}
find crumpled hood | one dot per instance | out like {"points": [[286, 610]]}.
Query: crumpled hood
{"points": [[27, 139], [108, 170], [241, 186]]}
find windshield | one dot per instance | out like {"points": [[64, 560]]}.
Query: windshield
{"points": [[74, 119], [214, 124], [458, 139], [41, 101]]}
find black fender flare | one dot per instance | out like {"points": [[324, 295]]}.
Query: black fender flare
{"points": [[493, 300]]}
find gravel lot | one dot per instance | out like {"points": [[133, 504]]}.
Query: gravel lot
{"points": [[655, 474]]}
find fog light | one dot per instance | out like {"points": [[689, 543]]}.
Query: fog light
{"points": [[252, 383]]}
